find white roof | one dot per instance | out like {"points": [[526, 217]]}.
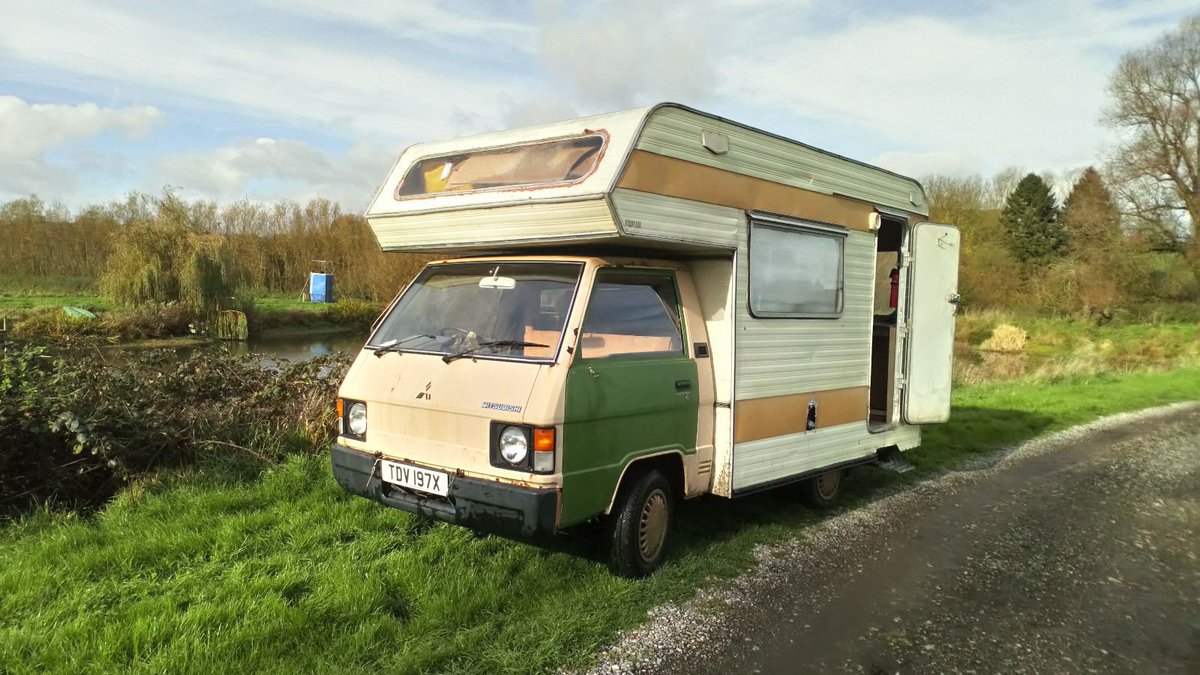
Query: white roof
{"points": [[622, 130]]}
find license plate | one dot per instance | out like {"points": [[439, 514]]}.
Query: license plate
{"points": [[415, 478]]}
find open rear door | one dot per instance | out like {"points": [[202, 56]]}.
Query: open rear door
{"points": [[932, 302]]}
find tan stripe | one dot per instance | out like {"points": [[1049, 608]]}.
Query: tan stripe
{"points": [[759, 418], [651, 172]]}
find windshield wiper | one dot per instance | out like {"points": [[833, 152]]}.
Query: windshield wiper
{"points": [[491, 343], [394, 345]]}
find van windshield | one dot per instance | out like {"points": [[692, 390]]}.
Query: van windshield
{"points": [[508, 310]]}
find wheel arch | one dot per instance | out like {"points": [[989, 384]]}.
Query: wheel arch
{"points": [[669, 463]]}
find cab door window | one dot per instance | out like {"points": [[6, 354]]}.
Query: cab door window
{"points": [[632, 315]]}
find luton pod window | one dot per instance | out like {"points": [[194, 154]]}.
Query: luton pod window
{"points": [[796, 271], [552, 163]]}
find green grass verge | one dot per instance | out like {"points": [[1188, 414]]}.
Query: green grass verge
{"points": [[212, 570]]}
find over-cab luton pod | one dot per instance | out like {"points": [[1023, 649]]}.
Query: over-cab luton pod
{"points": [[642, 307]]}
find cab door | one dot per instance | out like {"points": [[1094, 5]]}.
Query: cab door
{"points": [[632, 390], [932, 303]]}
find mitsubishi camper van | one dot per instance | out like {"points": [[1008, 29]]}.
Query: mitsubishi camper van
{"points": [[639, 308]]}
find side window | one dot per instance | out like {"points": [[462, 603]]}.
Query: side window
{"points": [[796, 272], [631, 315]]}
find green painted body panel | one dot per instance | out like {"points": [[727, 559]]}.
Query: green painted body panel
{"points": [[619, 409]]}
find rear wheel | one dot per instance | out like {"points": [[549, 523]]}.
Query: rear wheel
{"points": [[822, 491], [640, 525]]}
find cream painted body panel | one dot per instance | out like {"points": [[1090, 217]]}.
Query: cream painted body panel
{"points": [[423, 410], [714, 279]]}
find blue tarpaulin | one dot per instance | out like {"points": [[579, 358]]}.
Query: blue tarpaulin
{"points": [[320, 287]]}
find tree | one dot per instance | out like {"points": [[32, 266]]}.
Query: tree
{"points": [[1090, 215], [1030, 217], [1156, 104]]}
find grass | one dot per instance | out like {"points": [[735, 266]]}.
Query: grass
{"points": [[274, 315], [991, 345], [282, 571]]}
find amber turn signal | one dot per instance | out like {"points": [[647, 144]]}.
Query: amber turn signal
{"points": [[543, 440]]}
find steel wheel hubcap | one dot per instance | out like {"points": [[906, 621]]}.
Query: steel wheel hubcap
{"points": [[827, 484], [652, 526]]}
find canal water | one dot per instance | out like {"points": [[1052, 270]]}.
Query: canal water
{"points": [[271, 350], [301, 347]]}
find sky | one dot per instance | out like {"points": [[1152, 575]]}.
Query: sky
{"points": [[293, 99]]}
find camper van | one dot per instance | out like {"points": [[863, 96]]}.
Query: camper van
{"points": [[639, 308]]}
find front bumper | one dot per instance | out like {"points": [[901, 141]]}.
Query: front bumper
{"points": [[487, 506]]}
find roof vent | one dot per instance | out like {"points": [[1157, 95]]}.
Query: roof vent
{"points": [[717, 143]]}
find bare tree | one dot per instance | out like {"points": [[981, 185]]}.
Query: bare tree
{"points": [[1002, 185], [1156, 104]]}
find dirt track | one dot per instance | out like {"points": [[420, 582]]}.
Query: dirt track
{"points": [[1076, 553]]}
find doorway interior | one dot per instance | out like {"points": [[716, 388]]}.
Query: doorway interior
{"points": [[889, 266]]}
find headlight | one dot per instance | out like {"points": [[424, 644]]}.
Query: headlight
{"points": [[514, 447], [357, 419]]}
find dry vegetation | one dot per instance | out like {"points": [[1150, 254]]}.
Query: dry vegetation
{"points": [[1124, 274], [150, 248]]}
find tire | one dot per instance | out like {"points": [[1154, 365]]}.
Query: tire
{"points": [[640, 525], [822, 491]]}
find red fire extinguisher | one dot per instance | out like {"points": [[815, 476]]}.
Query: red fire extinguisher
{"points": [[895, 297]]}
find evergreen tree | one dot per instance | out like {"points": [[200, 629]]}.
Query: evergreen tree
{"points": [[1031, 219], [1090, 215]]}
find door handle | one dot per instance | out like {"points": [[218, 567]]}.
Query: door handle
{"points": [[683, 385]]}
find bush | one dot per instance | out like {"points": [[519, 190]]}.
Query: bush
{"points": [[358, 313], [74, 430], [143, 322], [1006, 338]]}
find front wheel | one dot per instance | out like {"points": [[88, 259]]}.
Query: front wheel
{"points": [[640, 524]]}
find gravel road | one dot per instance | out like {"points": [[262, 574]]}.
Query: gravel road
{"points": [[1078, 552]]}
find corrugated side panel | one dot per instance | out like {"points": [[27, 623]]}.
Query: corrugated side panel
{"points": [[788, 356], [522, 224], [781, 457], [794, 356], [772, 459], [670, 219], [676, 133]]}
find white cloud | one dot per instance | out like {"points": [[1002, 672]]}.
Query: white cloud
{"points": [[424, 20], [948, 162], [968, 88], [275, 169], [28, 131], [1020, 84], [631, 52], [336, 85]]}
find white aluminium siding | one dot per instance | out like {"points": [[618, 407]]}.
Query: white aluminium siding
{"points": [[675, 132], [788, 356], [519, 224], [770, 459], [650, 216]]}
